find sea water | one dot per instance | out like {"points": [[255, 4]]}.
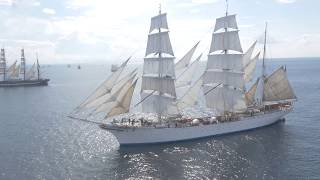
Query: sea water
{"points": [[38, 141]]}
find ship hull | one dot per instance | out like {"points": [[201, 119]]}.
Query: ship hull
{"points": [[16, 83], [145, 135]]}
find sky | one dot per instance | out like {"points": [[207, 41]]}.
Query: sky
{"points": [[101, 31]]}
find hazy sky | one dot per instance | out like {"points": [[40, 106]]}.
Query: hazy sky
{"points": [[72, 31]]}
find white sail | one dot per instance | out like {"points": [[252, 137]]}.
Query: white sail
{"points": [[247, 56], [114, 98], [152, 66], [225, 61], [190, 98], [225, 99], [12, 68], [158, 22], [225, 41], [123, 104], [156, 103], [185, 79], [229, 78], [158, 88], [163, 85], [102, 99], [106, 86], [226, 22], [250, 68], [16, 72], [250, 95], [277, 87], [224, 76], [31, 74], [159, 43], [185, 60]]}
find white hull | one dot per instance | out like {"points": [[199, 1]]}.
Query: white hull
{"points": [[150, 135]]}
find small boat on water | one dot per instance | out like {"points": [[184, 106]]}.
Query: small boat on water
{"points": [[79, 67], [17, 75], [162, 116]]}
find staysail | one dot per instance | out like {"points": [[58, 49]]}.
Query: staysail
{"points": [[250, 94], [102, 99], [184, 62], [105, 87], [185, 78], [190, 98], [123, 104], [31, 74], [158, 87], [250, 68], [115, 97], [224, 71]]}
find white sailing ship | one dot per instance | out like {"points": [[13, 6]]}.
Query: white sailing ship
{"points": [[18, 75], [232, 108]]}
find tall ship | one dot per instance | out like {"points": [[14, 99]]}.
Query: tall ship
{"points": [[19, 75], [160, 115]]}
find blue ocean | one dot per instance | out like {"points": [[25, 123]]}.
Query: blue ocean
{"points": [[39, 141]]}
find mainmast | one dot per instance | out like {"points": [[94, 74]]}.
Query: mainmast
{"points": [[23, 64], [224, 76], [264, 75], [3, 63], [158, 86], [159, 72], [38, 67]]}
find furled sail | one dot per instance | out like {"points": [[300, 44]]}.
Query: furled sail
{"points": [[250, 95], [250, 68], [158, 79], [185, 79], [223, 79], [190, 98], [185, 60], [106, 86], [277, 87], [123, 104]]}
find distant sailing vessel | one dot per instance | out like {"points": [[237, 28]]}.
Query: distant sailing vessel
{"points": [[17, 75], [160, 120]]}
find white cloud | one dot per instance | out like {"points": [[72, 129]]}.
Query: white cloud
{"points": [[286, 1], [48, 11]]}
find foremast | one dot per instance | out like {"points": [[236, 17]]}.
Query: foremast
{"points": [[3, 64], [23, 65], [158, 87], [224, 77]]}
